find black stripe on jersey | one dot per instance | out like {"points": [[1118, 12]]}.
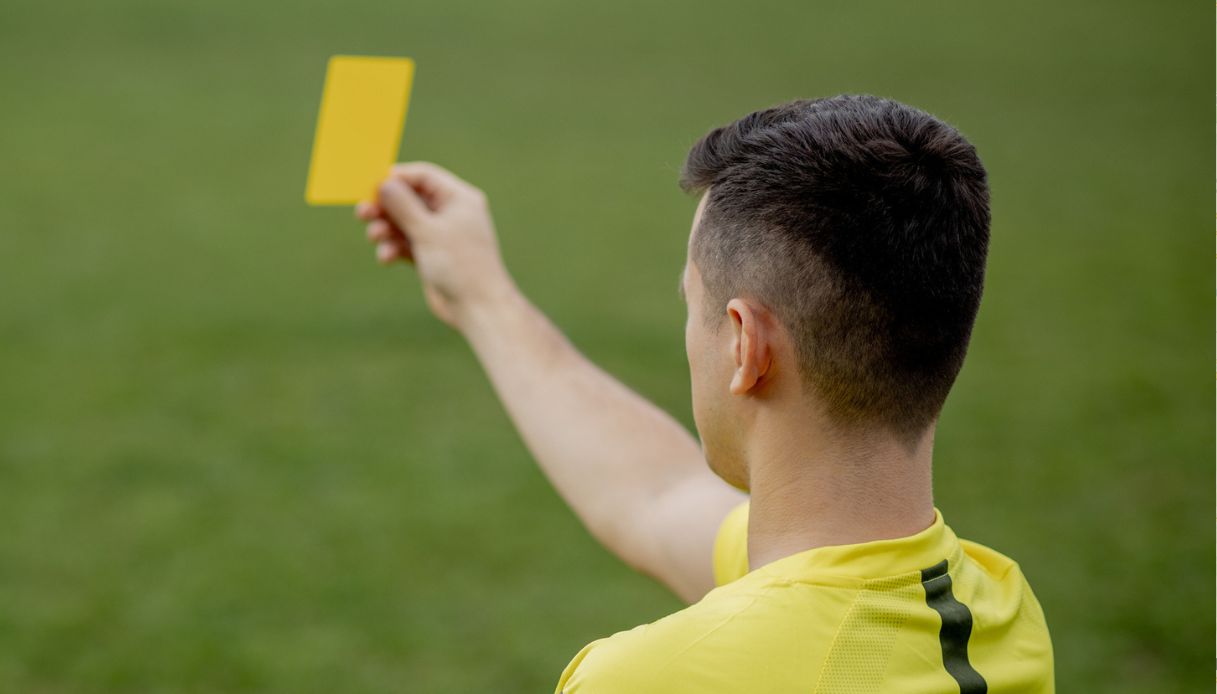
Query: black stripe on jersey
{"points": [[956, 628]]}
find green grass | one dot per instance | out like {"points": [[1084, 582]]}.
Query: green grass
{"points": [[237, 456]]}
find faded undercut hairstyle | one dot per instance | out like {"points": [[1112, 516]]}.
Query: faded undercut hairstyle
{"points": [[863, 225]]}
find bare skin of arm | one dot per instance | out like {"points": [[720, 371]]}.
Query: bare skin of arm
{"points": [[632, 474]]}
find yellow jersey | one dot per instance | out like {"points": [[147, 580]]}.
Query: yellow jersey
{"points": [[924, 613]]}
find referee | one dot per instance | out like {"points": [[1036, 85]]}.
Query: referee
{"points": [[834, 271]]}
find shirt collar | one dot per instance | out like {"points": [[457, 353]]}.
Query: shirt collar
{"points": [[869, 560]]}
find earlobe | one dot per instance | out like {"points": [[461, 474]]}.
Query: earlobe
{"points": [[742, 381]]}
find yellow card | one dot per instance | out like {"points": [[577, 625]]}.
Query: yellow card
{"points": [[363, 110]]}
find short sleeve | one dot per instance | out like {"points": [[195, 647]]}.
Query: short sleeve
{"points": [[731, 546]]}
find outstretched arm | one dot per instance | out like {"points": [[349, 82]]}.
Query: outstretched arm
{"points": [[632, 474]]}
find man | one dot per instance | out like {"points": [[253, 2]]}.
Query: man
{"points": [[834, 272]]}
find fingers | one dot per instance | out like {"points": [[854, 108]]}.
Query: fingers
{"points": [[432, 178], [389, 251], [367, 211], [435, 184], [408, 201], [380, 230], [401, 204], [391, 243]]}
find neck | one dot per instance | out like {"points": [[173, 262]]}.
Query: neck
{"points": [[812, 488]]}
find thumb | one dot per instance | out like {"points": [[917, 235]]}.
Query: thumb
{"points": [[402, 205]]}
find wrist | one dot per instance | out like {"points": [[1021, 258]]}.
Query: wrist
{"points": [[500, 301]]}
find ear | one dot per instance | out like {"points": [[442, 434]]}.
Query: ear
{"points": [[753, 354]]}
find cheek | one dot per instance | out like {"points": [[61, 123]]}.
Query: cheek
{"points": [[709, 374], [691, 351], [696, 369], [705, 355]]}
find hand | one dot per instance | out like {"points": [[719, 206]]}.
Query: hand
{"points": [[427, 216]]}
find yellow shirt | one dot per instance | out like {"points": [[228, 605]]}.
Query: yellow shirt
{"points": [[926, 613]]}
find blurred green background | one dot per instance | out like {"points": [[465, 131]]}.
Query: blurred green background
{"points": [[235, 455]]}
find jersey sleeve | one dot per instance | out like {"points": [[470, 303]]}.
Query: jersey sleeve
{"points": [[731, 546]]}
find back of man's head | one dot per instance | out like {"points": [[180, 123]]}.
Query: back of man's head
{"points": [[863, 225]]}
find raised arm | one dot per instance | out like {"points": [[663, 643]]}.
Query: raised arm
{"points": [[631, 473]]}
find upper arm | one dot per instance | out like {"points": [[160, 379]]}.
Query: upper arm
{"points": [[675, 530]]}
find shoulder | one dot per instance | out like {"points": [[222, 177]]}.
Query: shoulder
{"points": [[658, 656], [719, 644], [1007, 619], [731, 546], [988, 576]]}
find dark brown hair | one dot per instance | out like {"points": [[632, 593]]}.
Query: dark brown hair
{"points": [[863, 225]]}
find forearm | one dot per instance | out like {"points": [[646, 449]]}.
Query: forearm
{"points": [[608, 451], [635, 477]]}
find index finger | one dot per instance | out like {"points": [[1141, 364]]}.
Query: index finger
{"points": [[430, 179], [368, 210]]}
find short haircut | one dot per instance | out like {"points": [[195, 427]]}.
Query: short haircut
{"points": [[863, 225]]}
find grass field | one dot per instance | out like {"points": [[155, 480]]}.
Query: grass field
{"points": [[237, 456]]}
